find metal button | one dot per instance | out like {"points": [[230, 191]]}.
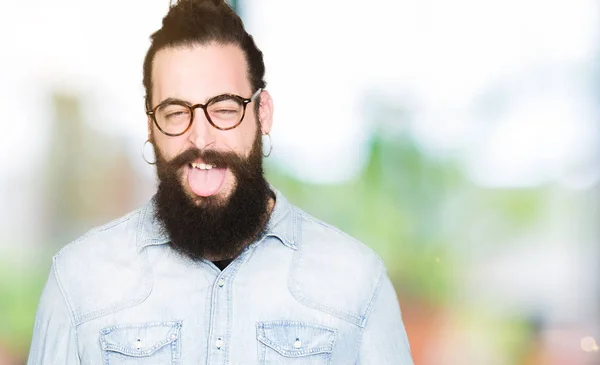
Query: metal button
{"points": [[138, 344], [221, 283], [219, 343], [298, 343]]}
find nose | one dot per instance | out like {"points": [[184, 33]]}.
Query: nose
{"points": [[202, 134]]}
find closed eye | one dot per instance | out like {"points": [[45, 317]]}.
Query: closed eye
{"points": [[176, 114]]}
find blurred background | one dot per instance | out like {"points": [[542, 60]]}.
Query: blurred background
{"points": [[459, 139]]}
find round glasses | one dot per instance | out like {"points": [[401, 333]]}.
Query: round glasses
{"points": [[174, 117]]}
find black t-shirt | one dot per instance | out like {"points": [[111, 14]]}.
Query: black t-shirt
{"points": [[222, 264]]}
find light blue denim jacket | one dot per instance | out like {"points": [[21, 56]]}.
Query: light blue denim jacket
{"points": [[305, 293]]}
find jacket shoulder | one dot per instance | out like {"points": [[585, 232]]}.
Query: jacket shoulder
{"points": [[101, 271], [333, 271]]}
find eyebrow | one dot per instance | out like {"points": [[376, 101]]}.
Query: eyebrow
{"points": [[173, 100], [219, 97]]}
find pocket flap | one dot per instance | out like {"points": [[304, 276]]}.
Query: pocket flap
{"points": [[294, 339], [139, 339]]}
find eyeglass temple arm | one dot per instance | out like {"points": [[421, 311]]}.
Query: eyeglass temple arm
{"points": [[257, 93]]}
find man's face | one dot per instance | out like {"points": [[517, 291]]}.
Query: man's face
{"points": [[194, 74], [209, 213]]}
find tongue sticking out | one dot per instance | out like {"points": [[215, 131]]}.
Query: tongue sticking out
{"points": [[206, 182]]}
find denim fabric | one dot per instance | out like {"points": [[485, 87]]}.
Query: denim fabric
{"points": [[123, 344], [304, 293]]}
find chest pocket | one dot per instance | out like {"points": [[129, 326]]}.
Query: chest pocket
{"points": [[294, 343], [146, 343]]}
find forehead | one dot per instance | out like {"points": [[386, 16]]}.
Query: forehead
{"points": [[198, 72]]}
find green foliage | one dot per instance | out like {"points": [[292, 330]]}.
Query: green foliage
{"points": [[20, 289]]}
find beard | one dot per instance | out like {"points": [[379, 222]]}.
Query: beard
{"points": [[215, 227]]}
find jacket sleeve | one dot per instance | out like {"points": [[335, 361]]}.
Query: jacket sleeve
{"points": [[384, 339], [54, 338]]}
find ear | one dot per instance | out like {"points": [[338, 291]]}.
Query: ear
{"points": [[265, 112], [150, 125], [150, 120]]}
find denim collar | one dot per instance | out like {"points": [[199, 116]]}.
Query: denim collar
{"points": [[282, 224]]}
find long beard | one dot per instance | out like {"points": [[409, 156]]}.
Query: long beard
{"points": [[202, 227]]}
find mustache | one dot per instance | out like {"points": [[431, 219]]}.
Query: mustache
{"points": [[225, 159]]}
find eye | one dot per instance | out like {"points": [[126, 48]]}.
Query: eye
{"points": [[173, 112], [226, 108], [225, 111], [176, 114]]}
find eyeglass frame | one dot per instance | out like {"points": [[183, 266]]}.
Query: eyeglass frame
{"points": [[245, 101]]}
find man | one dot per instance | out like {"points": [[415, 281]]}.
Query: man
{"points": [[218, 268]]}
